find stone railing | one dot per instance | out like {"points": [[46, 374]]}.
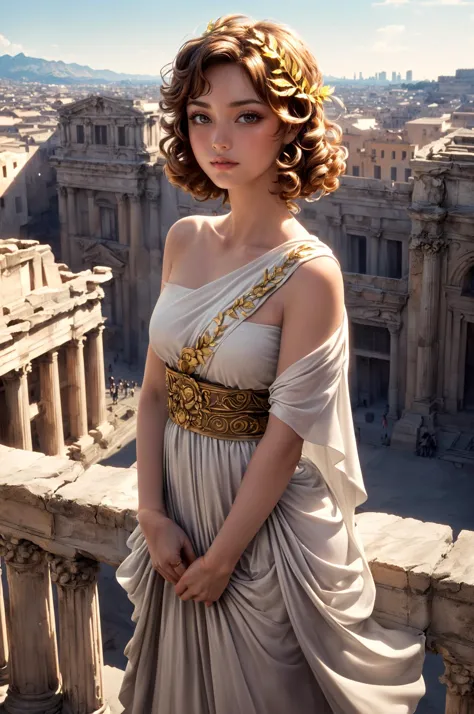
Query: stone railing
{"points": [[57, 522]]}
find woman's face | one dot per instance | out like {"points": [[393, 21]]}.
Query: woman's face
{"points": [[232, 123]]}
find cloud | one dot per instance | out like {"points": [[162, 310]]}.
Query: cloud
{"points": [[391, 2], [446, 3], [391, 30], [389, 39], [9, 48]]}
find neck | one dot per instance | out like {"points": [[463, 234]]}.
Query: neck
{"points": [[258, 218]]}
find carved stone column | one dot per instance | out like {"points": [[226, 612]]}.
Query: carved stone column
{"points": [[135, 240], [122, 203], [81, 657], [53, 435], [427, 323], [18, 405], [335, 238], [77, 388], [4, 654], [34, 686], [94, 215], [63, 223], [71, 212], [394, 368], [156, 256], [459, 680], [96, 377], [452, 401]]}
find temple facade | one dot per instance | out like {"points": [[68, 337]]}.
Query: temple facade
{"points": [[52, 383], [405, 249]]}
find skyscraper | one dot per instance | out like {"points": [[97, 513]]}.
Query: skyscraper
{"points": [[394, 76], [409, 75], [383, 76]]}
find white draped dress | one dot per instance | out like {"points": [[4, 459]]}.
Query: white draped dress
{"points": [[293, 631]]}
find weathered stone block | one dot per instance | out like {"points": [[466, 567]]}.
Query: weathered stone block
{"points": [[403, 552]]}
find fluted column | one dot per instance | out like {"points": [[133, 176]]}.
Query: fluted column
{"points": [[63, 223], [53, 435], [394, 369], [81, 658], [122, 203], [452, 402], [156, 256], [77, 388], [135, 239], [94, 215], [18, 405], [4, 648], [34, 686], [427, 323], [71, 211], [96, 377]]}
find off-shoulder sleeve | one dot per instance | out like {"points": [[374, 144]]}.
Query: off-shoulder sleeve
{"points": [[312, 397]]}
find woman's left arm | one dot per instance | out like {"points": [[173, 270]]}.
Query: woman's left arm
{"points": [[313, 310]]}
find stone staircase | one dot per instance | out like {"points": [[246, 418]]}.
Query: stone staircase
{"points": [[456, 446]]}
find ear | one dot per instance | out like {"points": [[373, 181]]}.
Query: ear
{"points": [[290, 134]]}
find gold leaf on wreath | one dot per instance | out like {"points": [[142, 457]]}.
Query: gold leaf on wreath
{"points": [[260, 35], [273, 43], [281, 82]]}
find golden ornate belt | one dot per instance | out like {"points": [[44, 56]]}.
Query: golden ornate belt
{"points": [[213, 410]]}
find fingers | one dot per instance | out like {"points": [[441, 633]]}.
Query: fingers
{"points": [[188, 551], [170, 574], [167, 572], [179, 570]]}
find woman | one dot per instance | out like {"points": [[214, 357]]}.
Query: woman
{"points": [[251, 590]]}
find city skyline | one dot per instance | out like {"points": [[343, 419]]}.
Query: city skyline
{"points": [[376, 36]]}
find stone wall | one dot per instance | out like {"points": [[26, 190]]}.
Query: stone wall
{"points": [[58, 520]]}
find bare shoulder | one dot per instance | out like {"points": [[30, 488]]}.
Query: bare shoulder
{"points": [[314, 299], [180, 238], [320, 278]]}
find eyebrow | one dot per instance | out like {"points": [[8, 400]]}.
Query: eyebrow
{"points": [[238, 103]]}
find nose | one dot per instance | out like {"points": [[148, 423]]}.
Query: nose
{"points": [[221, 142]]}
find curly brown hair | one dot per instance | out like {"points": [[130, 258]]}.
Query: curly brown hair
{"points": [[311, 163]]}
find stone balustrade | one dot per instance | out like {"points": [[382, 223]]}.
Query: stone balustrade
{"points": [[59, 521]]}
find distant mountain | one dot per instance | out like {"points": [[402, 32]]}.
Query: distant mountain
{"points": [[33, 69]]}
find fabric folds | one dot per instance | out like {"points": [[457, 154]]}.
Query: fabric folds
{"points": [[293, 631]]}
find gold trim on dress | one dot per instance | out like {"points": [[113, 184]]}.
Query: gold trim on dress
{"points": [[214, 410], [191, 357]]}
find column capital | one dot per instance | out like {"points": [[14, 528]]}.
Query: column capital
{"points": [[97, 330], [49, 357], [458, 678], [21, 554], [62, 190], [334, 220], [73, 573], [135, 197], [427, 244], [78, 341], [71, 190], [121, 197], [14, 374], [152, 195], [394, 329]]}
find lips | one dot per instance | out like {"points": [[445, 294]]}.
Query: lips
{"points": [[225, 162]]}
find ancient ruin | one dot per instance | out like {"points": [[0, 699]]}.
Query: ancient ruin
{"points": [[52, 384]]}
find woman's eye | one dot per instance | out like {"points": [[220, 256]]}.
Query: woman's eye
{"points": [[250, 118], [194, 118]]}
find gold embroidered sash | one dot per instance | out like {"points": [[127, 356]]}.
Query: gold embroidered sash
{"points": [[213, 410]]}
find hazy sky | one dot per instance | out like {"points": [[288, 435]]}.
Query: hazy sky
{"points": [[431, 37]]}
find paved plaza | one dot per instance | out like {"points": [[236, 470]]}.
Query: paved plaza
{"points": [[397, 482]]}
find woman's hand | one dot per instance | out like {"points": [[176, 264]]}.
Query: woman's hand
{"points": [[203, 582], [170, 549]]}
